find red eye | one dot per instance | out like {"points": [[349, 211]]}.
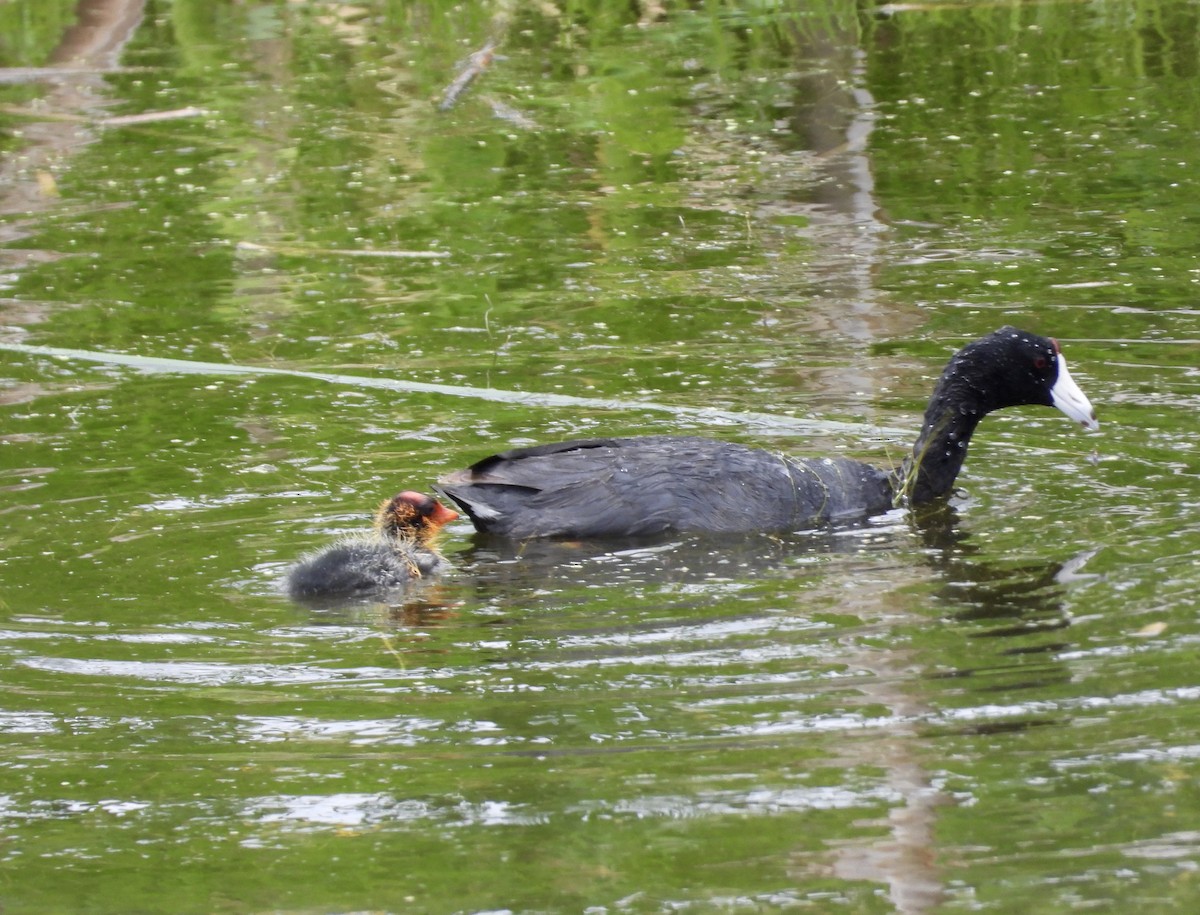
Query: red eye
{"points": [[1039, 363]]}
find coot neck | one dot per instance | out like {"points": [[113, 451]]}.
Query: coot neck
{"points": [[954, 411]]}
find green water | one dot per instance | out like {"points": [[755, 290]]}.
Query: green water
{"points": [[767, 223]]}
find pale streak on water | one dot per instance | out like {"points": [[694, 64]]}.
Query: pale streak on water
{"points": [[522, 398]]}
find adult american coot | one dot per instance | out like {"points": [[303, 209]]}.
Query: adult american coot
{"points": [[401, 548], [631, 487]]}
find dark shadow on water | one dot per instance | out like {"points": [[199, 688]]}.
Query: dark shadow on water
{"points": [[495, 563], [1009, 598], [420, 604], [1010, 617], [1016, 605]]}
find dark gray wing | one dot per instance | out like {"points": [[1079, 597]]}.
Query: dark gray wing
{"points": [[633, 487]]}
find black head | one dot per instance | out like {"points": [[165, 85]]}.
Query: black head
{"points": [[413, 516], [1011, 367], [1006, 368]]}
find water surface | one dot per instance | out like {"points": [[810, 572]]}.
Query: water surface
{"points": [[254, 282]]}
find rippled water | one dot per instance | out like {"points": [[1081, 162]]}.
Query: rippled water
{"points": [[292, 287]]}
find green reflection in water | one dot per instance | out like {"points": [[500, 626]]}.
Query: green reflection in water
{"points": [[991, 708]]}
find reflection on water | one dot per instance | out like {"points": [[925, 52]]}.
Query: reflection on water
{"points": [[225, 334]]}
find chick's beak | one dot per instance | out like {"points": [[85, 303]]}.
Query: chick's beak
{"points": [[442, 515]]}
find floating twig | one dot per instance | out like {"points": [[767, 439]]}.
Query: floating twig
{"points": [[11, 75], [510, 114], [150, 117], [478, 62], [342, 252], [146, 117]]}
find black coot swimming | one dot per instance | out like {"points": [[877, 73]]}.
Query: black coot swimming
{"points": [[400, 549], [633, 487]]}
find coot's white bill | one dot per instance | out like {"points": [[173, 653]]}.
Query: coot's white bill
{"points": [[1067, 396]]}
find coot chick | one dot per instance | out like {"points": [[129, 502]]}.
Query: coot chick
{"points": [[401, 548], [634, 487]]}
